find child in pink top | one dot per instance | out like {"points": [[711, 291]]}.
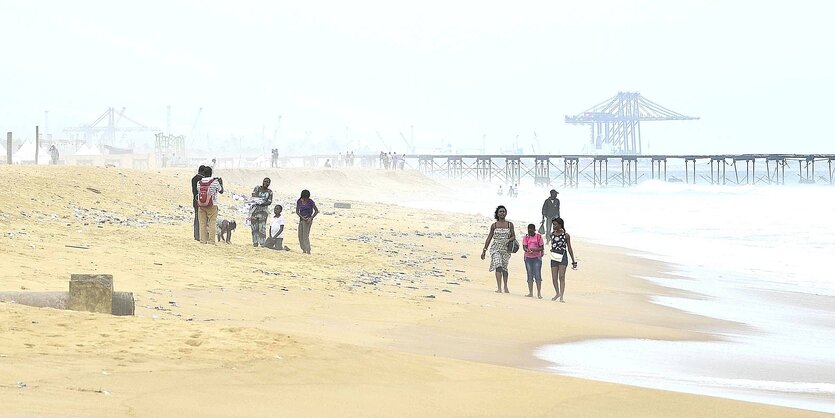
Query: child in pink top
{"points": [[533, 245]]}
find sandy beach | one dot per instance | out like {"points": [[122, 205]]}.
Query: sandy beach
{"points": [[393, 314]]}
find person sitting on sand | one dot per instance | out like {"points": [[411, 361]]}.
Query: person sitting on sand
{"points": [[276, 239], [560, 242], [533, 245], [224, 230], [306, 210], [501, 233], [260, 212]]}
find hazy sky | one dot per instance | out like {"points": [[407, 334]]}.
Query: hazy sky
{"points": [[761, 75]]}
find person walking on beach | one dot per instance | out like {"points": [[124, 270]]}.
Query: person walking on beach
{"points": [[560, 242], [207, 189], [260, 212], [194, 181], [501, 234], [533, 244], [53, 155], [307, 210], [550, 210], [276, 239]]}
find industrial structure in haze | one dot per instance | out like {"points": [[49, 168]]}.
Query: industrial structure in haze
{"points": [[107, 125], [616, 123]]}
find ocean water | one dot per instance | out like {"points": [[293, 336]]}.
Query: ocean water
{"points": [[754, 255]]}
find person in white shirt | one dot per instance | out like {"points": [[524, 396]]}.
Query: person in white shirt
{"points": [[276, 239]]}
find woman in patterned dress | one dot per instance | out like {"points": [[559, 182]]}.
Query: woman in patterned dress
{"points": [[501, 233], [260, 212], [560, 250]]}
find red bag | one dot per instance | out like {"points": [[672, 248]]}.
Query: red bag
{"points": [[204, 196]]}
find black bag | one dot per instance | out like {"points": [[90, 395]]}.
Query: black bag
{"points": [[513, 246]]}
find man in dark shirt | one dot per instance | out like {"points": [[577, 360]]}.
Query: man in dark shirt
{"points": [[194, 181], [550, 210]]}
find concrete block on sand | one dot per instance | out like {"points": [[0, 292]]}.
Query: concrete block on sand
{"points": [[340, 205], [123, 304], [91, 292]]}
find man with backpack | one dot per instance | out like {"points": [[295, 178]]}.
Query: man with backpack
{"points": [[207, 189]]}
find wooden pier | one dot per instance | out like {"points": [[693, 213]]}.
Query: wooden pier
{"points": [[605, 170], [602, 170]]}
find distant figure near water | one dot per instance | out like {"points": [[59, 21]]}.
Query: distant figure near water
{"points": [[501, 234], [560, 250], [550, 210], [513, 191]]}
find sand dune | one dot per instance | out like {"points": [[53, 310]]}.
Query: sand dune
{"points": [[354, 184], [392, 315]]}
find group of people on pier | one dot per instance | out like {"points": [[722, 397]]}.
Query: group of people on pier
{"points": [[392, 161]]}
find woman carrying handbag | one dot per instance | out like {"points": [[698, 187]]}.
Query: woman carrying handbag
{"points": [[503, 242], [560, 250]]}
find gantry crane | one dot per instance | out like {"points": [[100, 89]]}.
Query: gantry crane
{"points": [[616, 122], [106, 126]]}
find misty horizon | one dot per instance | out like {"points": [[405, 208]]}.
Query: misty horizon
{"points": [[465, 76]]}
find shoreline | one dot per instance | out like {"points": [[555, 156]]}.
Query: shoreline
{"points": [[712, 381], [357, 326], [676, 273]]}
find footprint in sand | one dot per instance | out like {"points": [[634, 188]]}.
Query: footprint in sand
{"points": [[194, 343]]}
